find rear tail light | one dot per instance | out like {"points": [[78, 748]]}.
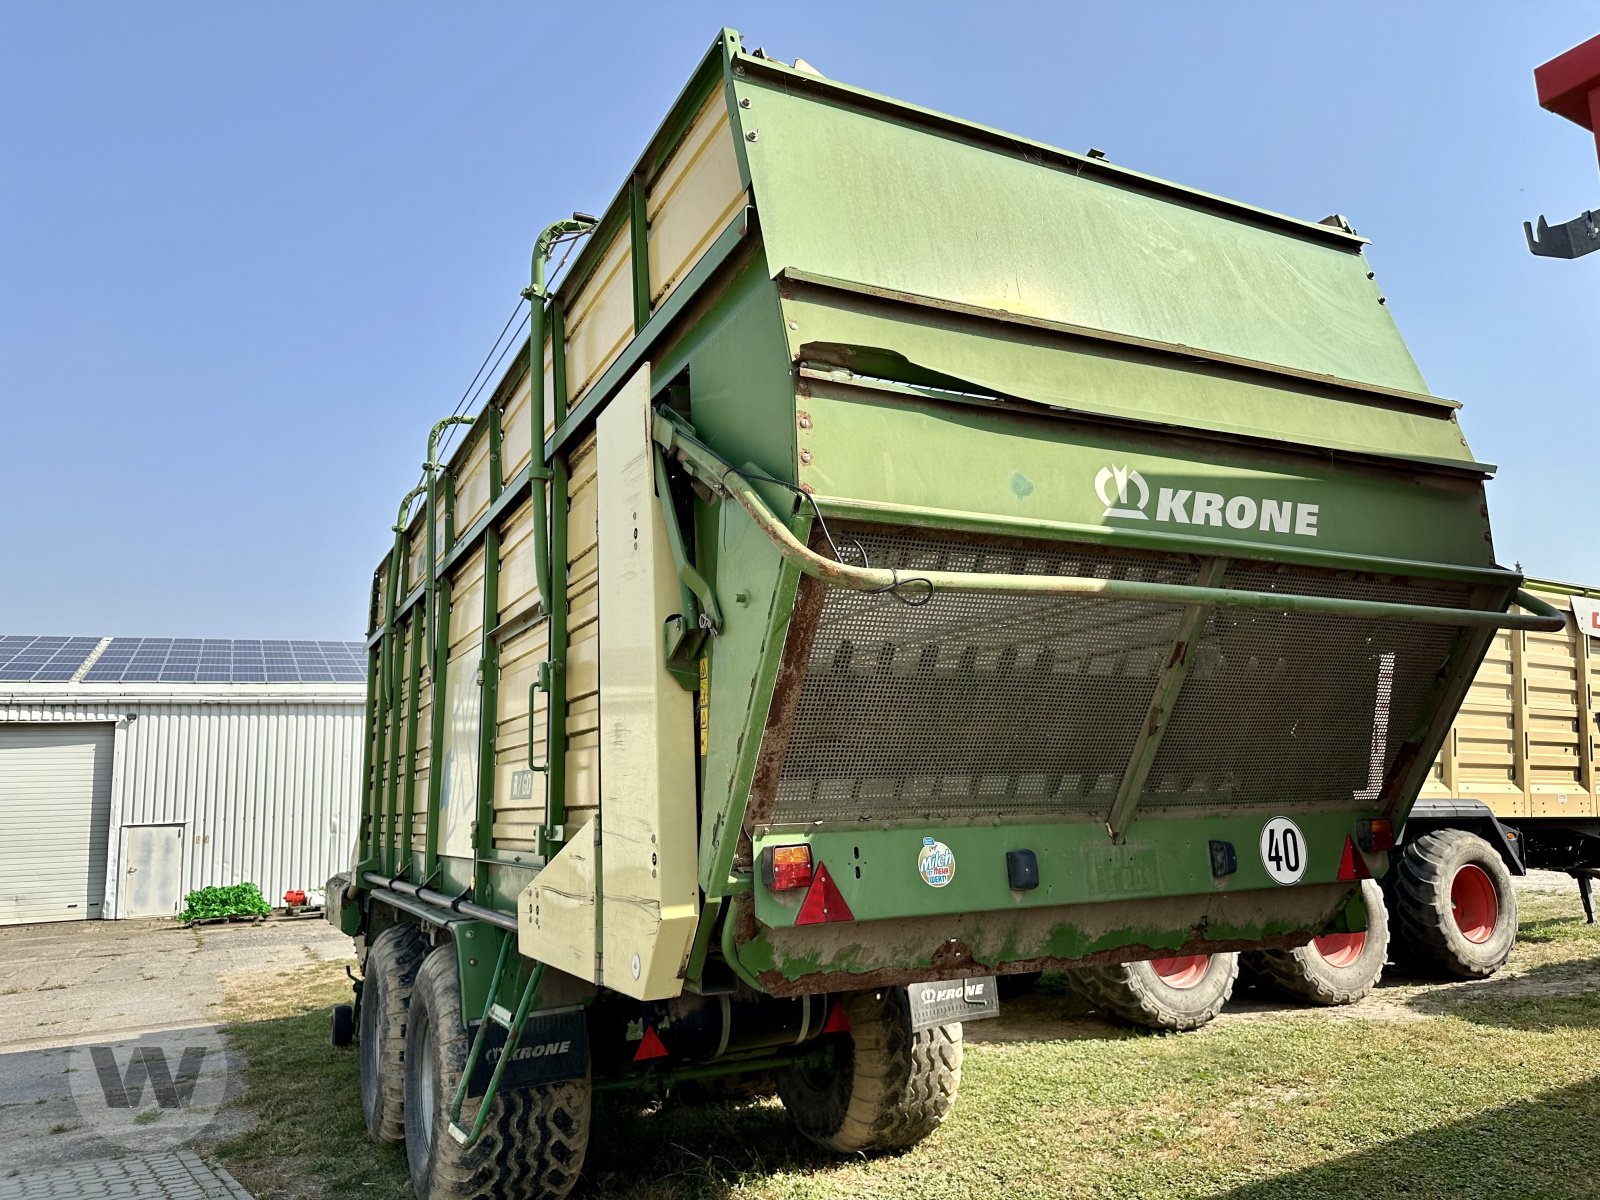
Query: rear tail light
{"points": [[785, 868], [1375, 835]]}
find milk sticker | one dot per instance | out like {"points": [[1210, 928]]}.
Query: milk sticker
{"points": [[936, 863]]}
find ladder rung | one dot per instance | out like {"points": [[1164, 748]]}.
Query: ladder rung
{"points": [[500, 1015], [458, 1133]]}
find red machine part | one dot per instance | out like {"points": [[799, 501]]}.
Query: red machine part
{"points": [[294, 898], [1569, 86]]}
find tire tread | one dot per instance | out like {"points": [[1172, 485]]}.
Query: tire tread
{"points": [[533, 1143], [1133, 993], [1419, 892]]}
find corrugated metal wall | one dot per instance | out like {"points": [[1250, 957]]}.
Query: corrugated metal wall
{"points": [[267, 790]]}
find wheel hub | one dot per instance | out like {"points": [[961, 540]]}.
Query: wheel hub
{"points": [[1474, 903], [1182, 971], [1340, 949], [425, 1097]]}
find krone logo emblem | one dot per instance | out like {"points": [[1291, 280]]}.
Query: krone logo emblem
{"points": [[1123, 479]]}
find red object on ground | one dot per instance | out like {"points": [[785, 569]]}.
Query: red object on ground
{"points": [[1569, 86], [294, 898]]}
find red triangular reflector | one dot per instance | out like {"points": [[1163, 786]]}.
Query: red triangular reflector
{"points": [[1351, 864], [837, 1022], [823, 903], [651, 1046]]}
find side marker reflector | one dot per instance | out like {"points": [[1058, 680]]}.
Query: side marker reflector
{"points": [[1351, 864], [837, 1022], [823, 902], [651, 1046]]}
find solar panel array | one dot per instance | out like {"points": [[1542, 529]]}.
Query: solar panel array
{"points": [[220, 660], [43, 659], [180, 660]]}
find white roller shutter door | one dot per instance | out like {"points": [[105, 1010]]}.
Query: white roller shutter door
{"points": [[55, 809]]}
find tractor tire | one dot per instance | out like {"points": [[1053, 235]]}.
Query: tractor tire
{"points": [[886, 1087], [1174, 994], [392, 964], [1452, 905], [1338, 968], [535, 1138]]}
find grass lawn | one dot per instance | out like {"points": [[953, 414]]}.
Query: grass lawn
{"points": [[1423, 1092]]}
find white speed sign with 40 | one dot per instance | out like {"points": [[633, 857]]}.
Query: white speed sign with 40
{"points": [[1283, 850]]}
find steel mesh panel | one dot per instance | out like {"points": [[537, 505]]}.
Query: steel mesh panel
{"points": [[974, 704], [1284, 708]]}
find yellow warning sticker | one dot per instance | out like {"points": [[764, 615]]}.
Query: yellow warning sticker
{"points": [[705, 701]]}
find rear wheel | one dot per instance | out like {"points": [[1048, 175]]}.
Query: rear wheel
{"points": [[884, 1087], [534, 1139], [392, 964], [1177, 993], [1453, 907], [1337, 968]]}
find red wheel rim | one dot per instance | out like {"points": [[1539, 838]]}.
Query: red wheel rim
{"points": [[1182, 971], [1474, 903], [1340, 949]]}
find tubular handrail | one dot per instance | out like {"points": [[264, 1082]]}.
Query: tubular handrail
{"points": [[702, 462], [537, 294]]}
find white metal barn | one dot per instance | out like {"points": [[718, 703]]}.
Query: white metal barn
{"points": [[133, 770]]}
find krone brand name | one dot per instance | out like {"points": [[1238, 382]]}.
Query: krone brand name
{"points": [[1125, 494]]}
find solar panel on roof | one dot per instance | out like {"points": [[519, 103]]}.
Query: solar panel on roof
{"points": [[43, 659], [181, 660]]}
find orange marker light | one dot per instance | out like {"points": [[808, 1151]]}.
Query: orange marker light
{"points": [[1375, 835]]}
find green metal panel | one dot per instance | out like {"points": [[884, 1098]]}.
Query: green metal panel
{"points": [[742, 670], [937, 208], [1045, 471], [741, 392], [876, 871], [1076, 374], [841, 957]]}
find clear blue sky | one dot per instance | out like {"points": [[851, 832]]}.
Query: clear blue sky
{"points": [[249, 252]]}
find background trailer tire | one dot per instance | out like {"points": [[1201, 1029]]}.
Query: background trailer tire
{"points": [[1178, 993], [534, 1141], [886, 1088], [1338, 968], [392, 964], [1452, 906]]}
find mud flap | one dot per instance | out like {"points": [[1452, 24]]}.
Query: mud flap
{"points": [[953, 1000], [553, 1048]]}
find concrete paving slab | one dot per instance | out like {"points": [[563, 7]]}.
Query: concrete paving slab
{"points": [[110, 1049], [180, 1175]]}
